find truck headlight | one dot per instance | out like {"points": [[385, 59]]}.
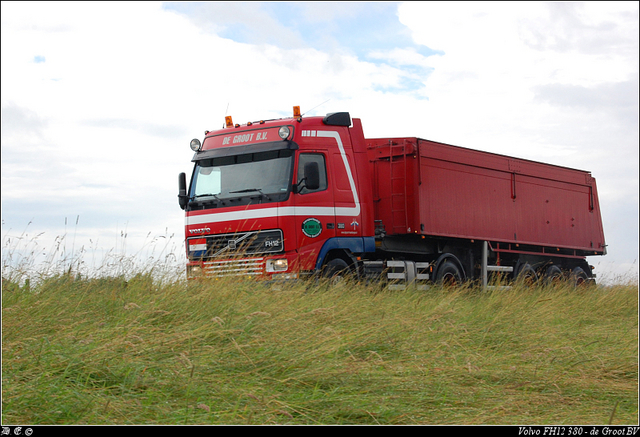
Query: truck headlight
{"points": [[284, 132], [194, 271], [277, 265]]}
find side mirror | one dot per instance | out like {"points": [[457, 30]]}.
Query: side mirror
{"points": [[183, 198], [312, 176]]}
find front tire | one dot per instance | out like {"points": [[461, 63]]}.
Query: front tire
{"points": [[336, 271]]}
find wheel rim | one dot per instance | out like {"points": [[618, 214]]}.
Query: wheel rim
{"points": [[529, 279], [449, 275], [336, 271], [449, 280], [553, 276], [580, 278], [527, 275]]}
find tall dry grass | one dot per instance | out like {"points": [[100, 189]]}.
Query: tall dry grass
{"points": [[31, 257], [138, 348]]}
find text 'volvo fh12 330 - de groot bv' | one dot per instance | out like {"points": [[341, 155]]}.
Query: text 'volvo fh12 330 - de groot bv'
{"points": [[299, 196]]}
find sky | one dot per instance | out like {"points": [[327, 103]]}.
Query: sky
{"points": [[100, 101]]}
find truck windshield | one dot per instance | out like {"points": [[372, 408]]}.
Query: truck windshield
{"points": [[265, 174]]}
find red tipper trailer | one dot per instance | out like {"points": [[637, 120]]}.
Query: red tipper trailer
{"points": [[311, 195], [436, 189]]}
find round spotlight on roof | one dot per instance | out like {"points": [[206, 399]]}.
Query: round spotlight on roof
{"points": [[284, 132]]}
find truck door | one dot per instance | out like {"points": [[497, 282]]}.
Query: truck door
{"points": [[315, 213], [345, 196]]}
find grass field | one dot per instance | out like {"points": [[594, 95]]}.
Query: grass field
{"points": [[109, 350], [130, 343]]}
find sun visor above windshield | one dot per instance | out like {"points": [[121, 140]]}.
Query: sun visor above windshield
{"points": [[244, 149]]}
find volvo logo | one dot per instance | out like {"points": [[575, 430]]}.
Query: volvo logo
{"points": [[200, 230]]}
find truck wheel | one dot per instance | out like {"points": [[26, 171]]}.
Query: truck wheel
{"points": [[448, 274], [579, 277], [336, 270], [526, 275], [553, 275]]}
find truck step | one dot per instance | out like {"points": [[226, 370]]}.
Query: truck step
{"points": [[491, 268], [400, 274], [504, 269]]}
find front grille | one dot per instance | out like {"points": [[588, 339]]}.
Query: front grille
{"points": [[236, 267], [236, 245]]}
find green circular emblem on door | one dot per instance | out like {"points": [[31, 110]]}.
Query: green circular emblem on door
{"points": [[311, 227]]}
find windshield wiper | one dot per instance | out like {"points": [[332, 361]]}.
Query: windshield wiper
{"points": [[248, 190], [207, 195]]}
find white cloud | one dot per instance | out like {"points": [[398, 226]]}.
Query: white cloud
{"points": [[555, 82], [101, 128], [498, 56]]}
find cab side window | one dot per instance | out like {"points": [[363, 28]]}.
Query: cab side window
{"points": [[303, 161]]}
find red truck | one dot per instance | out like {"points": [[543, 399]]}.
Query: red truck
{"points": [[301, 196]]}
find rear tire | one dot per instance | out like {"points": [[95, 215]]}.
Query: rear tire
{"points": [[553, 275], [579, 277], [448, 274], [526, 275]]}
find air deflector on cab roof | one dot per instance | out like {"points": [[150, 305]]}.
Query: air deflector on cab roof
{"points": [[337, 119]]}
